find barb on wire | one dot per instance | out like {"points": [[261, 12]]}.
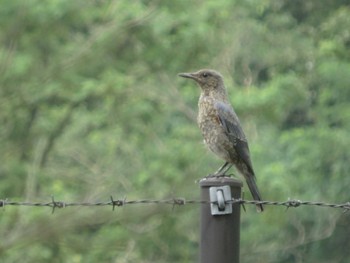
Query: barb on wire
{"points": [[294, 203]]}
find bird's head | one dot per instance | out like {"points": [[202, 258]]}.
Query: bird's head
{"points": [[209, 80]]}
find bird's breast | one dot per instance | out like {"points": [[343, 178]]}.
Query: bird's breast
{"points": [[213, 133], [207, 114]]}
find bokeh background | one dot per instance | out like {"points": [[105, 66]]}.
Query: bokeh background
{"points": [[91, 106]]}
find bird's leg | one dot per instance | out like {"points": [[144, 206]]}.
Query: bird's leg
{"points": [[223, 173], [222, 170]]}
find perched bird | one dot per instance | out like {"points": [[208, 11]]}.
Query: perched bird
{"points": [[221, 129]]}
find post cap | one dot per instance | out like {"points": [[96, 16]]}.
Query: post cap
{"points": [[219, 181]]}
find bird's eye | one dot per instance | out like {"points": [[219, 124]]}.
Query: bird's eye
{"points": [[204, 75]]}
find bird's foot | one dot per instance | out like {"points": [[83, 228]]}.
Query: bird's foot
{"points": [[217, 175]]}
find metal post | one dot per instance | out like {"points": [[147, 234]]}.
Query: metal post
{"points": [[220, 233]]}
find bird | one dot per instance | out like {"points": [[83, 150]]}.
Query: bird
{"points": [[221, 128]]}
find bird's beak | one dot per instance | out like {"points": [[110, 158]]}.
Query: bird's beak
{"points": [[187, 75]]}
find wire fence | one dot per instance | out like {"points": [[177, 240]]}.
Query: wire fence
{"points": [[172, 201]]}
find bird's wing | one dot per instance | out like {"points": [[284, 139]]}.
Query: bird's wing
{"points": [[232, 127]]}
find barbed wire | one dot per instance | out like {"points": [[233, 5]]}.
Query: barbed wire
{"points": [[172, 201]]}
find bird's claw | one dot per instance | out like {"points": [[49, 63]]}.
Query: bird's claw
{"points": [[216, 175]]}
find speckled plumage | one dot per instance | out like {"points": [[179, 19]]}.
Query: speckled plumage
{"points": [[212, 131], [221, 128]]}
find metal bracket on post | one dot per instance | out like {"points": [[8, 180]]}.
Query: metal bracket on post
{"points": [[218, 197]]}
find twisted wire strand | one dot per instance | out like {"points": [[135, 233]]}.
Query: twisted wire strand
{"points": [[172, 201]]}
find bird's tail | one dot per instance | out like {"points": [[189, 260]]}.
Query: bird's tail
{"points": [[254, 191]]}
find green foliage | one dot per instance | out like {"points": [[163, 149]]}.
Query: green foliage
{"points": [[91, 106]]}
